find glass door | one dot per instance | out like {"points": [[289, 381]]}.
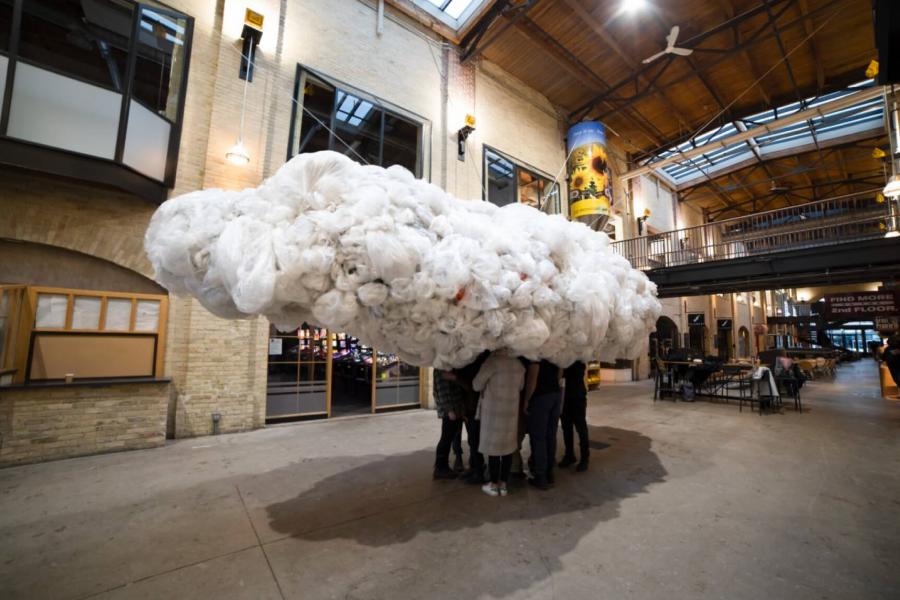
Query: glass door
{"points": [[298, 373], [396, 383]]}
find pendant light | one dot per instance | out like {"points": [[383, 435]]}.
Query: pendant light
{"points": [[238, 153]]}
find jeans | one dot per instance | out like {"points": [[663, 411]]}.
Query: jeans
{"points": [[574, 417], [457, 443], [499, 466], [449, 430], [543, 420]]}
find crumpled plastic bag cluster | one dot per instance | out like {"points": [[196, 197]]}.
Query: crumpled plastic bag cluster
{"points": [[403, 266]]}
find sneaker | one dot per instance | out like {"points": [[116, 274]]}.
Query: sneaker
{"points": [[503, 489], [490, 489], [567, 460], [458, 465], [444, 473], [582, 466]]}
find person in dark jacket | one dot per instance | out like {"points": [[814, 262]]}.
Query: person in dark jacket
{"points": [[891, 357], [573, 417], [449, 398], [465, 376], [543, 398]]}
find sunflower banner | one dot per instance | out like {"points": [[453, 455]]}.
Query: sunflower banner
{"points": [[590, 183]]}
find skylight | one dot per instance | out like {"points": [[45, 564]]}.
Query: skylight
{"points": [[454, 13], [865, 116]]}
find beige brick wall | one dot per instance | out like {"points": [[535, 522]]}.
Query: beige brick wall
{"points": [[220, 366], [48, 423]]}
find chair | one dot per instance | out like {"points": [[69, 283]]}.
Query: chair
{"points": [[821, 366], [807, 367], [664, 382]]}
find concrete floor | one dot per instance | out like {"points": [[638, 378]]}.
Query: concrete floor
{"points": [[688, 501]]}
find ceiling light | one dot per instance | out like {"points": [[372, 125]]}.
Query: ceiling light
{"points": [[238, 154], [892, 189], [632, 6]]}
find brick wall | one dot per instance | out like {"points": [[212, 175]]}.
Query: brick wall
{"points": [[47, 423], [220, 366]]}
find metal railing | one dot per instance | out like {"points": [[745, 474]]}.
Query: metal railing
{"points": [[828, 222]]}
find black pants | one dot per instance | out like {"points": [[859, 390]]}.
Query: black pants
{"points": [[457, 443], [543, 421], [450, 429], [473, 431], [573, 416], [499, 466]]}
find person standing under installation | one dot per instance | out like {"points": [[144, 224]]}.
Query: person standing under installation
{"points": [[891, 357], [574, 413], [500, 381], [450, 401], [543, 398], [464, 377]]}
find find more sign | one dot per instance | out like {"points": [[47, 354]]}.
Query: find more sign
{"points": [[861, 305]]}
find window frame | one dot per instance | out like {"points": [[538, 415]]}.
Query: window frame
{"points": [[423, 153], [85, 166], [518, 165]]}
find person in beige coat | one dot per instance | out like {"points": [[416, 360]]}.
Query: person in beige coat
{"points": [[500, 380]]}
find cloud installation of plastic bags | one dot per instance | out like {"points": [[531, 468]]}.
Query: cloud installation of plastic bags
{"points": [[403, 266]]}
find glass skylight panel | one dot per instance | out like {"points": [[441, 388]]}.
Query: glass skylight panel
{"points": [[859, 117], [456, 7]]}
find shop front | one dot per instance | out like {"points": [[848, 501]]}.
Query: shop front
{"points": [[316, 373]]}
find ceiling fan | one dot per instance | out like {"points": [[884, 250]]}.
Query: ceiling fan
{"points": [[671, 48]]}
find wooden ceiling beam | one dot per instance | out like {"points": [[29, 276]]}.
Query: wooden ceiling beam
{"points": [[813, 46], [598, 28], [728, 9], [577, 69]]}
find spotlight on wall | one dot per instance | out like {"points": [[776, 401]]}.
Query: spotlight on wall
{"points": [[462, 135], [641, 220]]}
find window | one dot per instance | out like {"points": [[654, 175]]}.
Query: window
{"points": [[507, 182], [84, 334], [327, 117], [159, 62], [89, 41], [102, 79]]}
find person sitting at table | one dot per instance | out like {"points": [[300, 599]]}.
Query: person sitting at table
{"points": [[788, 372]]}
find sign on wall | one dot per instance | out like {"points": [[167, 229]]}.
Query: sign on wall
{"points": [[861, 305], [723, 324], [696, 318]]}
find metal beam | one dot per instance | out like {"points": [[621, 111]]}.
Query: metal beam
{"points": [[741, 136]]}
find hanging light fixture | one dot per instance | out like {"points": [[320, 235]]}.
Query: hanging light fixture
{"points": [[251, 33]]}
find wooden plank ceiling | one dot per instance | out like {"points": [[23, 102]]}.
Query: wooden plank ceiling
{"points": [[749, 56]]}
